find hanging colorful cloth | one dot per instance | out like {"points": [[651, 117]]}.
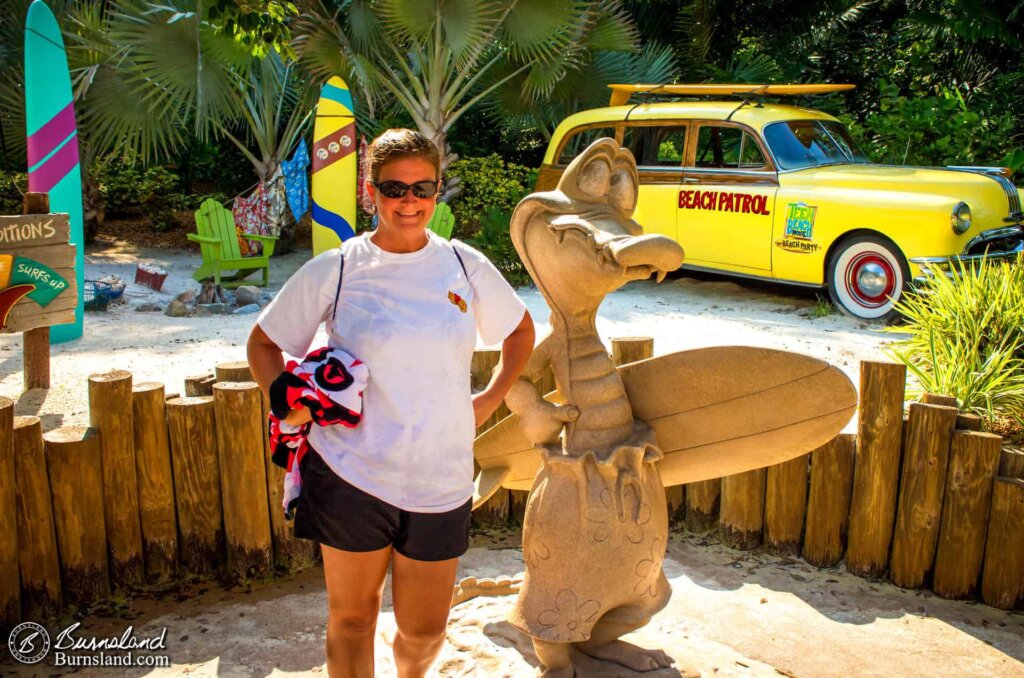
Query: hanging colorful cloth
{"points": [[251, 218], [276, 202], [296, 180], [362, 197]]}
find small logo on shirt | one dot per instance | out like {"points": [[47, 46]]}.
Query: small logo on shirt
{"points": [[457, 300]]}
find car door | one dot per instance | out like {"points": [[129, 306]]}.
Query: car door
{"points": [[658, 147], [726, 200]]}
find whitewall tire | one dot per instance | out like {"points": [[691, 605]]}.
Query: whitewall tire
{"points": [[866, 277]]}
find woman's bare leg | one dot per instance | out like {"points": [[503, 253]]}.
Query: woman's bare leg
{"points": [[355, 585], [422, 595]]}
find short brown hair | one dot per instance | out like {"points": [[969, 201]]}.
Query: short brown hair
{"points": [[400, 143]]}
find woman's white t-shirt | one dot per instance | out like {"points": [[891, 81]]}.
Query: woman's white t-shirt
{"points": [[400, 314]]}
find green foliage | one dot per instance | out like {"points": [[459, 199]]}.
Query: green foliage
{"points": [[10, 196], [260, 26], [822, 308], [129, 189], [936, 130], [967, 338], [495, 242], [206, 168], [487, 183], [491, 190]]}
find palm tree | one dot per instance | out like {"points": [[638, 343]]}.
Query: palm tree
{"points": [[437, 60], [148, 78]]}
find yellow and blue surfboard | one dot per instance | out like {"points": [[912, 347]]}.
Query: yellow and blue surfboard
{"points": [[335, 167]]}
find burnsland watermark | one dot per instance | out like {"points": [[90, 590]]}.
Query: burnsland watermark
{"points": [[29, 643]]}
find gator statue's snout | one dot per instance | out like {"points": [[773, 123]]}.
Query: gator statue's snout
{"points": [[655, 251]]}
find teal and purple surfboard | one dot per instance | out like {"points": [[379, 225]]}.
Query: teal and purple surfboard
{"points": [[53, 162]]}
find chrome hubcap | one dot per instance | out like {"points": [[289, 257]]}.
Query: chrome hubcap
{"points": [[872, 280]]}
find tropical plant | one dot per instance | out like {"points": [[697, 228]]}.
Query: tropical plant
{"points": [[495, 242], [437, 60], [150, 78], [489, 183], [967, 338]]}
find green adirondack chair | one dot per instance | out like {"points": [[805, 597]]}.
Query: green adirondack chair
{"points": [[443, 221], [218, 242]]}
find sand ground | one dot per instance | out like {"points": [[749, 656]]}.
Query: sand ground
{"points": [[732, 613]]}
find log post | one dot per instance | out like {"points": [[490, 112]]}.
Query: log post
{"points": [[973, 462], [938, 399], [702, 504], [37, 547], [192, 425], [876, 474], [10, 596], [1002, 580], [742, 511], [110, 412], [291, 554], [1011, 463], [966, 421], [36, 348], [236, 370], [495, 511], [631, 349], [785, 506], [828, 503], [74, 461], [156, 481], [199, 385], [243, 479], [922, 485]]}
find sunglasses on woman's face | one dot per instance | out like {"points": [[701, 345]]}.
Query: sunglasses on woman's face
{"points": [[397, 189]]}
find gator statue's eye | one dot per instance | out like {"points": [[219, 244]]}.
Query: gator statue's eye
{"points": [[622, 191], [593, 180]]}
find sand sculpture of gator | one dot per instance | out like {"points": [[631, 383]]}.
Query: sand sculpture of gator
{"points": [[598, 452]]}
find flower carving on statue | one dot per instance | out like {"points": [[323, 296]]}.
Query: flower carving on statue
{"points": [[535, 551], [648, 570], [570, 620]]}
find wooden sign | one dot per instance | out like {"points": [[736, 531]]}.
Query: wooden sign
{"points": [[37, 272]]}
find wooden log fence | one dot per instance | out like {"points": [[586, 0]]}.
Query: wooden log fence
{"points": [[10, 587], [155, 482], [111, 412], [41, 596], [164, 486], [73, 459], [239, 416]]}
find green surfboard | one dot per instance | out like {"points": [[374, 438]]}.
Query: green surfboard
{"points": [[53, 161]]}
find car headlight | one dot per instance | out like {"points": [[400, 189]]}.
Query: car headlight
{"points": [[960, 219]]}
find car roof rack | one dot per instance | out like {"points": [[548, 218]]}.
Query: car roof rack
{"points": [[621, 93]]}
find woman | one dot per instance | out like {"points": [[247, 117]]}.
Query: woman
{"points": [[397, 488]]}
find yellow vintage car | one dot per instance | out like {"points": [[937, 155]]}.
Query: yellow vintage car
{"points": [[781, 192]]}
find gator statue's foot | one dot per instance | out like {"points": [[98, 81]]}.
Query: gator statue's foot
{"points": [[628, 655]]}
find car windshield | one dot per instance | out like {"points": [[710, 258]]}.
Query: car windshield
{"points": [[799, 144]]}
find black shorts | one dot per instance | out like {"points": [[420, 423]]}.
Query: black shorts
{"points": [[334, 512]]}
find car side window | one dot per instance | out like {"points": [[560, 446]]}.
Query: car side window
{"points": [[656, 146], [727, 148], [579, 139]]}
